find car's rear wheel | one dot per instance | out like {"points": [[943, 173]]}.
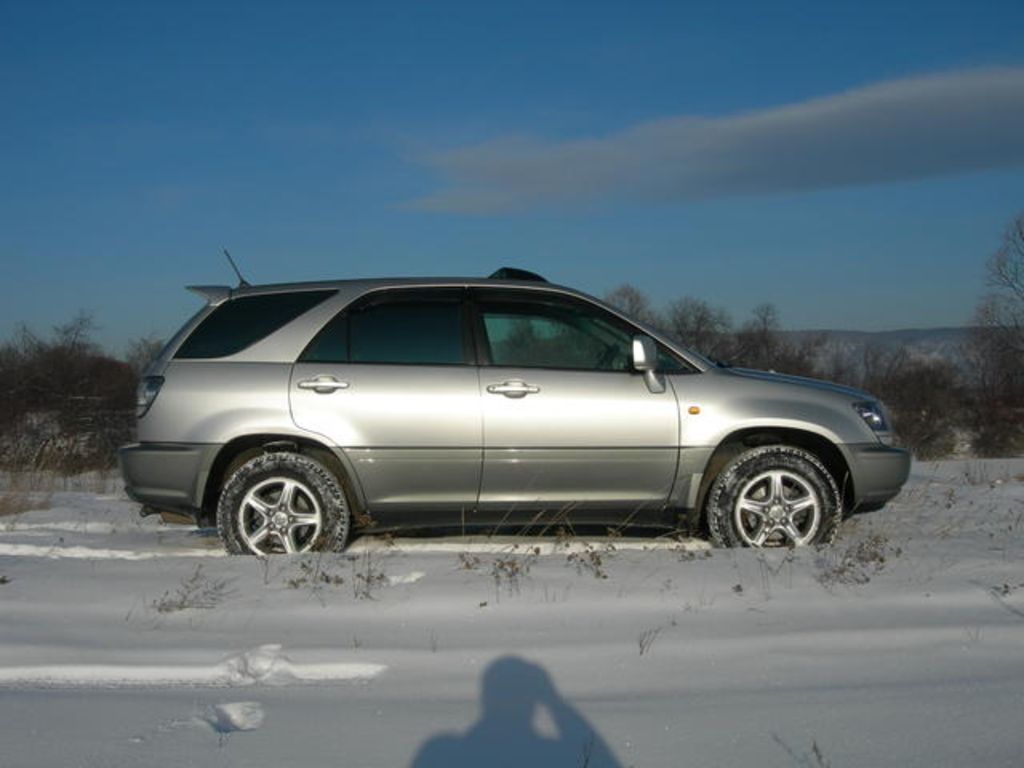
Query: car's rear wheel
{"points": [[282, 503], [775, 495]]}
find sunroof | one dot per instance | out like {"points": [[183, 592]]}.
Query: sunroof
{"points": [[512, 273]]}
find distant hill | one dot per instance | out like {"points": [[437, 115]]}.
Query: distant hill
{"points": [[944, 343], [931, 340]]}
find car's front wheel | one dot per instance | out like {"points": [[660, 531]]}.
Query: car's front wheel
{"points": [[282, 503], [775, 495]]}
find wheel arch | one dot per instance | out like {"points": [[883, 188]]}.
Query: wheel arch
{"points": [[737, 442], [239, 450]]}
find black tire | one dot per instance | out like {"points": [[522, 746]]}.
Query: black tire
{"points": [[256, 515], [775, 495]]}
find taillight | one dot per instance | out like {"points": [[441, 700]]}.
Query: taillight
{"points": [[149, 388]]}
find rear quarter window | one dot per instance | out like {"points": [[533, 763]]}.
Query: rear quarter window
{"points": [[240, 323]]}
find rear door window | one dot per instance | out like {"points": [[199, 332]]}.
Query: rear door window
{"points": [[400, 328]]}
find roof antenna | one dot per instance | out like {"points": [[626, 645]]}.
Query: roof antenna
{"points": [[242, 282]]}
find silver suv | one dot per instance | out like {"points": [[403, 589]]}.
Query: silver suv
{"points": [[290, 415]]}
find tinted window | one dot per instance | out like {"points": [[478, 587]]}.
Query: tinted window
{"points": [[669, 363], [331, 344], [555, 335], [239, 323], [423, 332], [415, 332]]}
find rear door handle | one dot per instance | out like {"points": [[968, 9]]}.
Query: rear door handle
{"points": [[323, 385], [513, 388]]}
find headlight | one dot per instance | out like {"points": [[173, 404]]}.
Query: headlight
{"points": [[149, 388], [873, 415]]}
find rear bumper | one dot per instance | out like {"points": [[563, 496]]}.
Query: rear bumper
{"points": [[878, 472], [167, 476]]}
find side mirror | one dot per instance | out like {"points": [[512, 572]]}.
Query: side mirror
{"points": [[645, 354], [645, 361]]}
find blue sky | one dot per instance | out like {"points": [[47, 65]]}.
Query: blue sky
{"points": [[852, 163]]}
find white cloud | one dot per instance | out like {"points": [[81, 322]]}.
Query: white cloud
{"points": [[897, 130]]}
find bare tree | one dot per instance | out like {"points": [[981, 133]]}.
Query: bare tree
{"points": [[75, 336], [65, 404], [1006, 267], [141, 352], [696, 324], [1002, 311], [758, 341], [633, 302], [996, 351], [925, 397]]}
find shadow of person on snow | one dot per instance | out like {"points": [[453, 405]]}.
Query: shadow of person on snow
{"points": [[514, 695]]}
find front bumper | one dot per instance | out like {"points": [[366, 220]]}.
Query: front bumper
{"points": [[878, 472], [167, 476]]}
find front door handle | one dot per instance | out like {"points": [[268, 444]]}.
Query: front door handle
{"points": [[323, 385], [514, 388]]}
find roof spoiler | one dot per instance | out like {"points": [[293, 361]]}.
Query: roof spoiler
{"points": [[211, 294]]}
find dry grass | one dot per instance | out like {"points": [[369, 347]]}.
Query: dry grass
{"points": [[29, 490], [814, 759], [646, 639], [14, 503], [857, 563], [197, 592], [24, 491]]}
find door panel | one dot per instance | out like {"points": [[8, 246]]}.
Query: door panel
{"points": [[388, 381], [598, 439], [566, 419], [413, 433]]}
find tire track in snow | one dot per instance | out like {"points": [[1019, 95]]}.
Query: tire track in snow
{"points": [[78, 552], [266, 665], [442, 546], [81, 526]]}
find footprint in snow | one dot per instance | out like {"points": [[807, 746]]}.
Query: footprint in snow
{"points": [[236, 716]]}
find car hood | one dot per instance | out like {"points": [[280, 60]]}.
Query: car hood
{"points": [[802, 381]]}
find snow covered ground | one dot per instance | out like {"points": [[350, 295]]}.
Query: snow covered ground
{"points": [[125, 642]]}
